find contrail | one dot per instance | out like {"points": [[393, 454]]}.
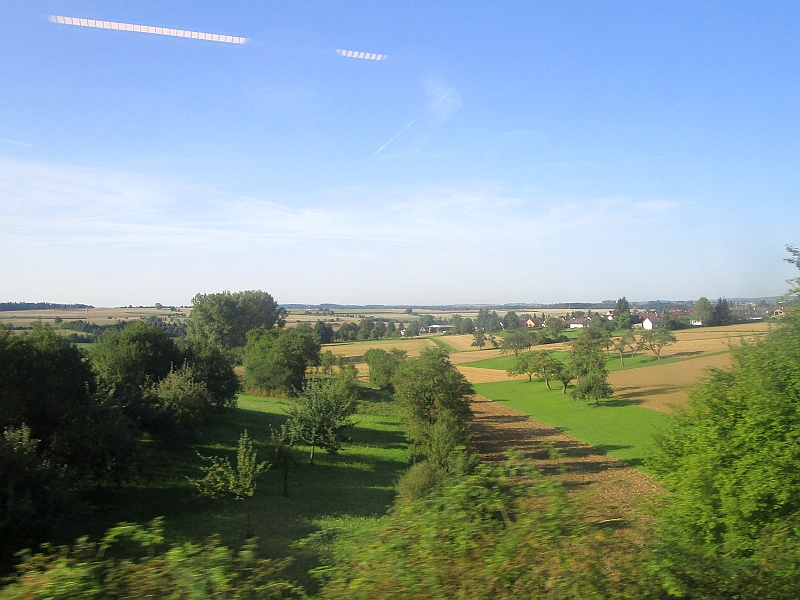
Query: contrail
{"points": [[195, 35], [412, 122]]}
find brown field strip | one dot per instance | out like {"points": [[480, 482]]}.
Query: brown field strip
{"points": [[349, 350], [662, 386], [497, 429]]}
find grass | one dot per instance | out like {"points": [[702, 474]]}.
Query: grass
{"points": [[505, 362], [345, 489], [444, 345], [622, 429]]}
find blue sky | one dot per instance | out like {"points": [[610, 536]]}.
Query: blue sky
{"points": [[556, 151]]}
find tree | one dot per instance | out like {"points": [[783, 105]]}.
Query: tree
{"points": [[586, 355], [214, 368], [224, 481], [277, 359], [721, 313], [32, 494], [480, 339], [517, 341], [324, 332], [655, 340], [382, 365], [224, 319], [457, 320], [554, 326], [564, 374], [511, 320], [280, 441], [627, 341], [702, 311], [547, 366], [428, 389], [467, 326], [319, 415], [593, 386], [134, 357], [184, 398], [729, 462]]}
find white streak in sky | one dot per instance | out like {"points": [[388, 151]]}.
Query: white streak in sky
{"points": [[357, 54], [16, 143], [412, 122], [195, 35]]}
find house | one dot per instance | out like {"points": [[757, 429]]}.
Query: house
{"points": [[534, 322], [778, 312], [439, 328], [651, 322], [578, 323]]}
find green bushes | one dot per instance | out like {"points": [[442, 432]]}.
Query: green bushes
{"points": [[276, 359], [130, 564], [489, 532], [184, 399], [382, 366]]}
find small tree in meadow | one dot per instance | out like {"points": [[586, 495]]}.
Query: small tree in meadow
{"points": [[280, 441], [627, 341], [320, 413], [593, 386], [655, 340], [224, 481]]}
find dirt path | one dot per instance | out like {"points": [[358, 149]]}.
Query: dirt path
{"points": [[496, 429]]}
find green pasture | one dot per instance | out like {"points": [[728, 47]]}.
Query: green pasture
{"points": [[622, 429], [346, 489], [613, 363], [444, 345]]}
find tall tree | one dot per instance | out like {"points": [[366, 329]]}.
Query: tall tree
{"points": [[554, 326], [511, 320], [480, 339], [224, 319], [324, 332], [702, 311], [277, 359], [429, 389], [721, 313]]}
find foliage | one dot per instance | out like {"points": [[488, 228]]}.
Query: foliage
{"points": [[702, 311], [214, 368], [627, 341], [488, 532], [517, 341], [224, 319], [729, 461], [655, 340], [134, 357], [280, 442], [479, 340], [324, 332], [277, 359], [221, 480], [622, 314], [32, 494], [128, 564], [721, 313], [430, 388], [320, 413], [511, 320], [47, 385], [586, 355], [382, 365], [554, 326], [593, 386], [184, 398]]}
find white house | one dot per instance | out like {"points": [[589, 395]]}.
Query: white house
{"points": [[651, 322]]}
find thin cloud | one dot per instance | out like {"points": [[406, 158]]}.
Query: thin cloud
{"points": [[16, 143]]}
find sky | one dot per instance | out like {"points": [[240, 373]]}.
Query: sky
{"points": [[501, 153]]}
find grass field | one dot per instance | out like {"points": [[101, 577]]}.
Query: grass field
{"points": [[356, 349], [344, 489], [619, 427]]}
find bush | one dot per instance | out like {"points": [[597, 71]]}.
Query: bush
{"points": [[32, 494], [184, 399], [215, 369], [129, 564], [418, 481], [277, 360]]}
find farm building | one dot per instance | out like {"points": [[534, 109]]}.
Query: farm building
{"points": [[439, 328], [534, 322], [578, 323]]}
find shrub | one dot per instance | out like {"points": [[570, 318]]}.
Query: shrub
{"points": [[186, 400]]}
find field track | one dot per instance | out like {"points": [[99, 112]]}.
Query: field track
{"points": [[497, 429]]}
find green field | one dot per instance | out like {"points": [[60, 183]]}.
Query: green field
{"points": [[444, 345], [345, 489], [613, 363], [622, 429]]}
